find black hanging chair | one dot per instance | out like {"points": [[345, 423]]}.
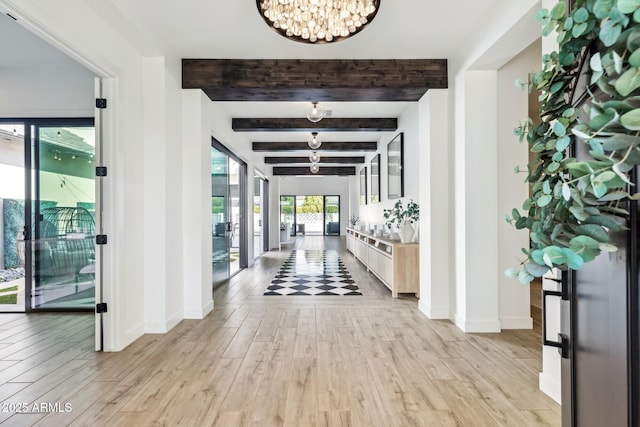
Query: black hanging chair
{"points": [[65, 242]]}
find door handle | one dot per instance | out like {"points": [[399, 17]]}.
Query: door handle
{"points": [[563, 341], [228, 226]]}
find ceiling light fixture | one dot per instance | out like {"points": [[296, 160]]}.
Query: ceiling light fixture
{"points": [[315, 115], [314, 168], [314, 141], [317, 21], [314, 157]]}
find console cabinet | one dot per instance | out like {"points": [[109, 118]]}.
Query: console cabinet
{"points": [[396, 264]]}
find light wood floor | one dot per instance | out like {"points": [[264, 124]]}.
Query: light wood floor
{"points": [[278, 360]]}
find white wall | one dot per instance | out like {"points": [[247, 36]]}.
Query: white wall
{"points": [[473, 79], [63, 89], [319, 186], [373, 213], [513, 109]]}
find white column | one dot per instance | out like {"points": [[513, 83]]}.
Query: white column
{"points": [[435, 191], [477, 206], [196, 206]]}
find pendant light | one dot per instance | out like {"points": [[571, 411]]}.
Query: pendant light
{"points": [[314, 141], [314, 157], [315, 115]]}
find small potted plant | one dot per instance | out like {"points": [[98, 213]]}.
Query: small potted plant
{"points": [[403, 219]]}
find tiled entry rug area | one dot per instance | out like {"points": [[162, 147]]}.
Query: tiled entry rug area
{"points": [[313, 272]]}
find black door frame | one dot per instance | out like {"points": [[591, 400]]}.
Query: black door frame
{"points": [[244, 233]]}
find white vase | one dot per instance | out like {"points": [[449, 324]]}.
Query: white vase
{"points": [[406, 232]]}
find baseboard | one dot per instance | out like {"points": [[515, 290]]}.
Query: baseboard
{"points": [[516, 322], [477, 326], [433, 312], [162, 327], [129, 338], [198, 313], [550, 386]]}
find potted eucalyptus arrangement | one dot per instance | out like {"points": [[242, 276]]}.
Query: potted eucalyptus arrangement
{"points": [[575, 202], [403, 219]]}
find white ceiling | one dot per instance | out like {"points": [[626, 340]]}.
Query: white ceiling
{"points": [[233, 29]]}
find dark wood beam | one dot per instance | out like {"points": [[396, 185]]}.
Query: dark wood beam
{"points": [[324, 170], [326, 146], [323, 159], [314, 79], [324, 125]]}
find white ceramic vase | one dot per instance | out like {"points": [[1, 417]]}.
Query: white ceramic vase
{"points": [[406, 232]]}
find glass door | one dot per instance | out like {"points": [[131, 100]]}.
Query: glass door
{"points": [[258, 215], [62, 221], [220, 227], [287, 217], [228, 218], [332, 215], [12, 217]]}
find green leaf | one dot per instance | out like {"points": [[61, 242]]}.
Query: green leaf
{"points": [[544, 200], [580, 15], [634, 59], [594, 231], [536, 270], [579, 29], [609, 33], [631, 119], [628, 82], [580, 244], [620, 142], [578, 213], [546, 187], [628, 6], [559, 10], [559, 129], [537, 255], [553, 255], [602, 8], [511, 273], [524, 277], [553, 166], [596, 62], [608, 247], [563, 143], [574, 261]]}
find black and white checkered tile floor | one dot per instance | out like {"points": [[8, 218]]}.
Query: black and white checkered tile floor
{"points": [[313, 272]]}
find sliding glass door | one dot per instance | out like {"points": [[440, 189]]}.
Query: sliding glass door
{"points": [[332, 215], [228, 218], [63, 229], [12, 217], [310, 215], [260, 215]]}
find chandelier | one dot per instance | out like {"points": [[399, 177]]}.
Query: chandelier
{"points": [[318, 21]]}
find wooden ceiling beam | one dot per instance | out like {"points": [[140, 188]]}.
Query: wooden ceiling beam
{"points": [[323, 159], [304, 125], [324, 170], [314, 79], [326, 146]]}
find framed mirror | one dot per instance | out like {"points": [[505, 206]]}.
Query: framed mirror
{"points": [[395, 167], [375, 179], [363, 186]]}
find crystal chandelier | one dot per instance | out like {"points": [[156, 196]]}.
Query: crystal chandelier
{"points": [[318, 21]]}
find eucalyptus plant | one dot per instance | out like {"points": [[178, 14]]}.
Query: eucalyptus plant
{"points": [[574, 202], [397, 215]]}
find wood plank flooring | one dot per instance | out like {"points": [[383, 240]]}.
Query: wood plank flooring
{"points": [[277, 361]]}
